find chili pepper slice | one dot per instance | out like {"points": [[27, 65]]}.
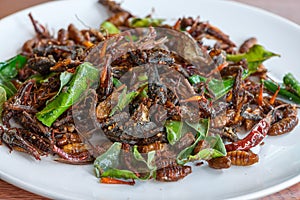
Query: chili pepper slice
{"points": [[256, 135], [108, 180], [291, 82], [272, 86]]}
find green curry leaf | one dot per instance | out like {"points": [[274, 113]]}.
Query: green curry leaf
{"points": [[86, 75], [201, 127], [108, 160], [106, 165], [216, 149], [150, 158], [8, 86], [206, 154], [9, 69], [183, 156], [119, 173], [117, 83], [109, 27], [3, 98], [255, 56], [150, 163], [257, 53], [64, 78], [216, 143], [145, 22], [174, 130], [124, 99], [218, 87]]}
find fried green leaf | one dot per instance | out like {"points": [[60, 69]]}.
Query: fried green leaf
{"points": [[201, 127], [64, 78], [218, 87], [3, 98], [109, 27], [217, 144], [8, 86], [216, 149], [206, 154], [86, 75], [108, 160], [106, 165], [174, 130], [150, 163], [9, 69], [254, 57], [117, 83], [145, 22], [119, 173], [183, 156], [257, 53], [150, 155], [124, 99]]}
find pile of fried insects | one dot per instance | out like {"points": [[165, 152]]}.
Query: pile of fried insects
{"points": [[41, 85]]}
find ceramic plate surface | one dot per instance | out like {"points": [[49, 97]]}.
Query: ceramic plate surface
{"points": [[279, 164]]}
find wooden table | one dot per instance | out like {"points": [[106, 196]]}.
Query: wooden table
{"points": [[287, 8]]}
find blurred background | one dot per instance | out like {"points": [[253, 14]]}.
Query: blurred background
{"points": [[285, 8]]}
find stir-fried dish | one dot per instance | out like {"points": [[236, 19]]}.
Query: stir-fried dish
{"points": [[142, 99]]}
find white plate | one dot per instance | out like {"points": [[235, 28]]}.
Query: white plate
{"points": [[279, 164]]}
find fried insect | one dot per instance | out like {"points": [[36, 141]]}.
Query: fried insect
{"points": [[173, 173], [112, 6], [14, 140], [68, 138], [83, 157], [120, 16], [156, 146], [247, 45], [287, 123], [127, 158], [242, 158], [198, 30], [41, 64], [223, 119], [19, 103], [119, 128], [219, 163], [40, 143], [257, 133], [185, 141], [75, 148], [40, 30], [163, 162]]}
